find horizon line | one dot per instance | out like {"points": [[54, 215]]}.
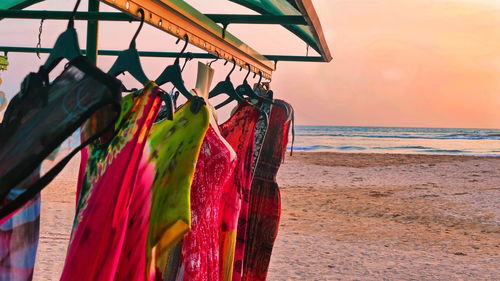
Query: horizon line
{"points": [[421, 127]]}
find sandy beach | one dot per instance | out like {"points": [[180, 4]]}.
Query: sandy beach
{"points": [[349, 216]]}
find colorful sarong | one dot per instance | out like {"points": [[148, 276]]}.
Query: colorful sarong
{"points": [[108, 241]]}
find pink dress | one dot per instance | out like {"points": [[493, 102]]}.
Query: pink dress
{"points": [[239, 131], [200, 247], [108, 240]]}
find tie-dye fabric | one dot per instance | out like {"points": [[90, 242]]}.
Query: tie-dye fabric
{"points": [[19, 235], [200, 247], [239, 131], [108, 241], [265, 201], [173, 149]]}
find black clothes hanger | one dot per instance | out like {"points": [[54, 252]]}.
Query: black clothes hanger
{"points": [[66, 46], [216, 59], [259, 87], [189, 57], [266, 97], [226, 87], [245, 89], [129, 61], [173, 74], [175, 95]]}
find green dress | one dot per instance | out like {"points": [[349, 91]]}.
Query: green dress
{"points": [[173, 147]]}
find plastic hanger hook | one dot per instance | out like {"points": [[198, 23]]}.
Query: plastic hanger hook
{"points": [[71, 23], [232, 69], [132, 43], [186, 39], [248, 73], [216, 59]]}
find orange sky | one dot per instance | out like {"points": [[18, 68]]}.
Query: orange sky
{"points": [[396, 63], [403, 63]]}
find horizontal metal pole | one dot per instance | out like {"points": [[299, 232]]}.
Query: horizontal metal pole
{"points": [[63, 15], [113, 16], [295, 58], [159, 54], [110, 52], [256, 19]]}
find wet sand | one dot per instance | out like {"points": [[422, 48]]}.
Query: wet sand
{"points": [[350, 216]]}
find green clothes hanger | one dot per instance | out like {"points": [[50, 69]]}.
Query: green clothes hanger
{"points": [[226, 87], [129, 61], [173, 74], [66, 46]]}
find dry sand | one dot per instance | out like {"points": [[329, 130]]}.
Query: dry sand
{"points": [[353, 216]]}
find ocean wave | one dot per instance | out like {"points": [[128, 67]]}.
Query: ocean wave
{"points": [[403, 147], [326, 147], [310, 147], [483, 155], [350, 147], [473, 136], [447, 151]]}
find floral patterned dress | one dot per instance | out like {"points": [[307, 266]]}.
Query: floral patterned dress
{"points": [[200, 247]]}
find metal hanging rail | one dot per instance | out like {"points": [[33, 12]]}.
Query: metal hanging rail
{"points": [[64, 15], [179, 19], [160, 54]]}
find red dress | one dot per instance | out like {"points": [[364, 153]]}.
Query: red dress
{"points": [[239, 131], [265, 199], [200, 247]]}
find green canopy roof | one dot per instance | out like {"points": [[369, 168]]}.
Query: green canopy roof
{"points": [[311, 33], [17, 4]]}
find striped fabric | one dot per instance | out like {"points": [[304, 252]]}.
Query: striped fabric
{"points": [[19, 239]]}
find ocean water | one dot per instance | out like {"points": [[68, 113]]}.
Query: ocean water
{"points": [[484, 142]]}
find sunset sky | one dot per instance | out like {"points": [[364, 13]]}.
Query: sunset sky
{"points": [[395, 63]]}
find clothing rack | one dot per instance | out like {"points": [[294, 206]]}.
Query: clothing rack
{"points": [[178, 18]]}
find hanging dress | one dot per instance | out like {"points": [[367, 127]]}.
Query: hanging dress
{"points": [[265, 201], [133, 261], [239, 131], [19, 230], [41, 116], [107, 209], [196, 257], [200, 247], [173, 147]]}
